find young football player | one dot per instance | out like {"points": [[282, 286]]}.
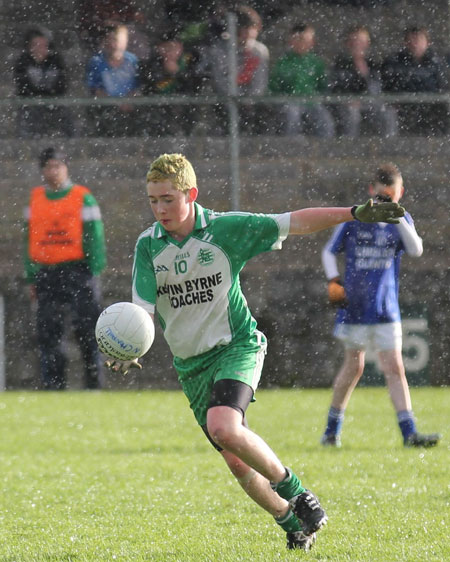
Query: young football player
{"points": [[368, 306], [186, 269]]}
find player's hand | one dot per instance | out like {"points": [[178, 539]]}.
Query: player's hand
{"points": [[336, 292], [378, 212], [116, 365]]}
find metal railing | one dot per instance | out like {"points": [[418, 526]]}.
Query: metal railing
{"points": [[210, 99]]}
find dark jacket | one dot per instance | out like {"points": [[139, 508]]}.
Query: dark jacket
{"points": [[345, 78], [156, 80], [40, 79], [403, 73]]}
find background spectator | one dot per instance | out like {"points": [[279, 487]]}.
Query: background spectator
{"points": [[417, 69], [300, 72], [356, 72], [169, 71], [252, 65], [113, 72], [252, 59], [40, 72], [64, 249]]}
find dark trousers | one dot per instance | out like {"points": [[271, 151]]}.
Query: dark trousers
{"points": [[112, 122], [38, 121], [423, 118], [59, 289]]}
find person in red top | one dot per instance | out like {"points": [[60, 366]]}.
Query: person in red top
{"points": [[64, 250], [252, 69]]}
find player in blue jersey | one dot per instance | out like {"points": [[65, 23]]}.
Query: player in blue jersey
{"points": [[186, 270], [368, 306]]}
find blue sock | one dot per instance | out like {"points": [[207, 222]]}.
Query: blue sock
{"points": [[334, 422], [406, 423]]}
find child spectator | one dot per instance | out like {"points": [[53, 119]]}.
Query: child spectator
{"points": [[417, 69], [300, 72], [356, 72], [39, 72], [113, 72], [252, 60], [252, 65], [169, 71]]}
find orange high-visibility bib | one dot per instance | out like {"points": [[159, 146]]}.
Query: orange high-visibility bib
{"points": [[56, 226]]}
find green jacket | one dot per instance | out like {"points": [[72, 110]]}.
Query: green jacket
{"points": [[298, 75], [93, 236]]}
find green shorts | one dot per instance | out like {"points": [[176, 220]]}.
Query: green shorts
{"points": [[242, 361]]}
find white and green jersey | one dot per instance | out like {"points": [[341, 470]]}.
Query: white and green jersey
{"points": [[194, 284]]}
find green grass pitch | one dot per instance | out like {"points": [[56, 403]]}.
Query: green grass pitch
{"points": [[128, 476]]}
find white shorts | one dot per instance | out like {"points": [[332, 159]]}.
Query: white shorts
{"points": [[380, 337]]}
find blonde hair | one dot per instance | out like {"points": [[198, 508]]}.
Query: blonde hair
{"points": [[173, 167]]}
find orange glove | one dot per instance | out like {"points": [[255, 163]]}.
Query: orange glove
{"points": [[336, 292]]}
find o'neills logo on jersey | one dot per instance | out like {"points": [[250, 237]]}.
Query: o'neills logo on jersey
{"points": [[191, 291], [205, 256]]}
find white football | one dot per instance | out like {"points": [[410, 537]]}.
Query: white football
{"points": [[124, 331]]}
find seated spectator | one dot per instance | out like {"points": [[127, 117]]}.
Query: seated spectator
{"points": [[113, 72], [252, 60], [169, 71], [300, 72], [356, 72], [252, 65], [39, 72], [417, 69]]}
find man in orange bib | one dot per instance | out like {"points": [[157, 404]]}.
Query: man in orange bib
{"points": [[64, 251]]}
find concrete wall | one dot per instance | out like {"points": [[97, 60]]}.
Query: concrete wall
{"points": [[286, 290]]}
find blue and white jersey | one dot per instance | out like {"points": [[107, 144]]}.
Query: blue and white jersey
{"points": [[115, 81], [372, 264]]}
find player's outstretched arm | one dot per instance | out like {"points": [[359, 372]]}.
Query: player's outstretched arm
{"points": [[307, 221]]}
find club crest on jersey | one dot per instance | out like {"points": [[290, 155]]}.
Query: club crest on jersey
{"points": [[205, 256]]}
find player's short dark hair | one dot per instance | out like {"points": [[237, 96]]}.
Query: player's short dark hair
{"points": [[51, 154], [386, 174], [300, 27]]}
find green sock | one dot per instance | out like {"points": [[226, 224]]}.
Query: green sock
{"points": [[289, 487], [288, 522]]}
